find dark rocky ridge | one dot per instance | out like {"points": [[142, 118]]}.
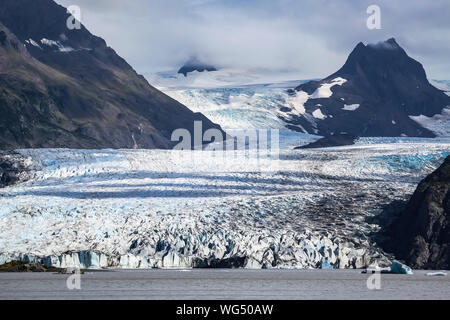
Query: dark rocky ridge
{"points": [[388, 86], [76, 92], [421, 233], [336, 140]]}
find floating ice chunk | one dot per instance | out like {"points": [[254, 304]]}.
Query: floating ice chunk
{"points": [[350, 107], [437, 274], [398, 268], [324, 91], [318, 114]]}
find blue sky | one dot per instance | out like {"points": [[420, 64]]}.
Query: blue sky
{"points": [[309, 37]]}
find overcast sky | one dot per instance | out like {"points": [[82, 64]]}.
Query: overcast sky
{"points": [[310, 37]]}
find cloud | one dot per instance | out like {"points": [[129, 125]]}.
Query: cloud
{"points": [[310, 37]]}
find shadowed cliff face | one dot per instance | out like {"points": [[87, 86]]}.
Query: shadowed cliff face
{"points": [[67, 88], [421, 235], [373, 94]]}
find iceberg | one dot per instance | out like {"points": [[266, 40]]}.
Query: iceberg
{"points": [[437, 274], [398, 268]]}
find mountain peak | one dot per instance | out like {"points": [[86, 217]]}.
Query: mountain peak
{"points": [[390, 44], [379, 91], [380, 57], [194, 64]]}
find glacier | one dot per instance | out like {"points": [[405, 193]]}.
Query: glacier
{"points": [[153, 209], [239, 108], [191, 209]]}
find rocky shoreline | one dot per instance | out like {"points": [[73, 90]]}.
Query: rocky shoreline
{"points": [[24, 266]]}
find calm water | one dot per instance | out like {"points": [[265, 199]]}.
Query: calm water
{"points": [[223, 284]]}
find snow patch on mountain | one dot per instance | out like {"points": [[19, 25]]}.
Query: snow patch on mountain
{"points": [[297, 102], [299, 98], [57, 44], [33, 43], [324, 91], [351, 107], [318, 114], [49, 43]]}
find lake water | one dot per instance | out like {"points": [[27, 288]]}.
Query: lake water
{"points": [[206, 284]]}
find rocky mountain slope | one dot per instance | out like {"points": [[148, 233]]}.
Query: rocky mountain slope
{"points": [[421, 235], [380, 91], [67, 88]]}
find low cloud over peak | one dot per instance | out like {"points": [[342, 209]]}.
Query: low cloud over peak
{"points": [[309, 37]]}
